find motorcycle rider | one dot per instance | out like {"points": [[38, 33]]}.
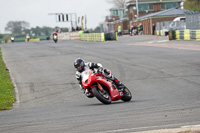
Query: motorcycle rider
{"points": [[55, 34], [81, 66], [55, 37]]}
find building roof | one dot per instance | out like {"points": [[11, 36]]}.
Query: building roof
{"points": [[133, 2], [117, 9], [165, 13], [121, 20], [188, 12]]}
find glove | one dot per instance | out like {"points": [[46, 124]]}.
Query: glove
{"points": [[100, 69], [106, 71]]}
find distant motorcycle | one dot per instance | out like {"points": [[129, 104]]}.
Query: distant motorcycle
{"points": [[55, 38], [104, 89], [12, 39]]}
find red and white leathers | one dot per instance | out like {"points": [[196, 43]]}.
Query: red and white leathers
{"points": [[88, 66]]}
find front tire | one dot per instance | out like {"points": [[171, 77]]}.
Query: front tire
{"points": [[127, 95], [102, 96]]}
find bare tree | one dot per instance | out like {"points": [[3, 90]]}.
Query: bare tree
{"points": [[118, 3]]}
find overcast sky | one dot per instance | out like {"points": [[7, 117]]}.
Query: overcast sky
{"points": [[36, 11]]}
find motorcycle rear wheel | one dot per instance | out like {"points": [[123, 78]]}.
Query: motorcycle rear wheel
{"points": [[127, 95], [102, 96]]}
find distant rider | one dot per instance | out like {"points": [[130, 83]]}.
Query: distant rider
{"points": [[81, 66], [28, 37], [55, 34]]}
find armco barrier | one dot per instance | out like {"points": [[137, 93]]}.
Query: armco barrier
{"points": [[74, 35], [68, 36], [96, 37]]}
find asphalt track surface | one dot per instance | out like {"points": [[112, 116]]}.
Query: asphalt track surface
{"points": [[164, 81]]}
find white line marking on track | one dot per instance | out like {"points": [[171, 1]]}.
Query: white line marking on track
{"points": [[151, 42], [156, 41], [163, 41], [150, 128], [191, 126]]}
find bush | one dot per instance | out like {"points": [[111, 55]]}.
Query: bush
{"points": [[34, 37], [1, 36], [6, 37]]}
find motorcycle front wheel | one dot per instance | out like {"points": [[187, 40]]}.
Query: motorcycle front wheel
{"points": [[127, 95], [102, 96]]}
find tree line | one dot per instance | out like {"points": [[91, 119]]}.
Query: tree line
{"points": [[21, 28], [192, 5]]}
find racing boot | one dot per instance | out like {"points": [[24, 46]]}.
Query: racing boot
{"points": [[119, 85], [85, 91], [88, 94]]}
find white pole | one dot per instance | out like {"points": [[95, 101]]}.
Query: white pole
{"points": [[137, 8]]}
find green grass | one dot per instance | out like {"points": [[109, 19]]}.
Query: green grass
{"points": [[20, 38], [42, 37], [7, 94]]}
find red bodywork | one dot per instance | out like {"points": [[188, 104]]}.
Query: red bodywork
{"points": [[99, 81]]}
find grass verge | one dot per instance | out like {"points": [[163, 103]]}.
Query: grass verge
{"points": [[7, 94]]}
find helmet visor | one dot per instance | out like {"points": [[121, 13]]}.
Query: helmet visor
{"points": [[79, 67]]}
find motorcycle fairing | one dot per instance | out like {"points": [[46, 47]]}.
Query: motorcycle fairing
{"points": [[91, 80]]}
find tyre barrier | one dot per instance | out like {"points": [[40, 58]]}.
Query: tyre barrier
{"points": [[184, 35], [111, 36], [33, 40], [161, 32], [96, 37]]}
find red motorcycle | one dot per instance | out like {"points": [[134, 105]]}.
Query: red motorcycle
{"points": [[104, 89]]}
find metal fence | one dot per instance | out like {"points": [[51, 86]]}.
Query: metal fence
{"points": [[107, 27], [177, 25], [192, 23], [162, 25], [192, 20], [171, 25]]}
